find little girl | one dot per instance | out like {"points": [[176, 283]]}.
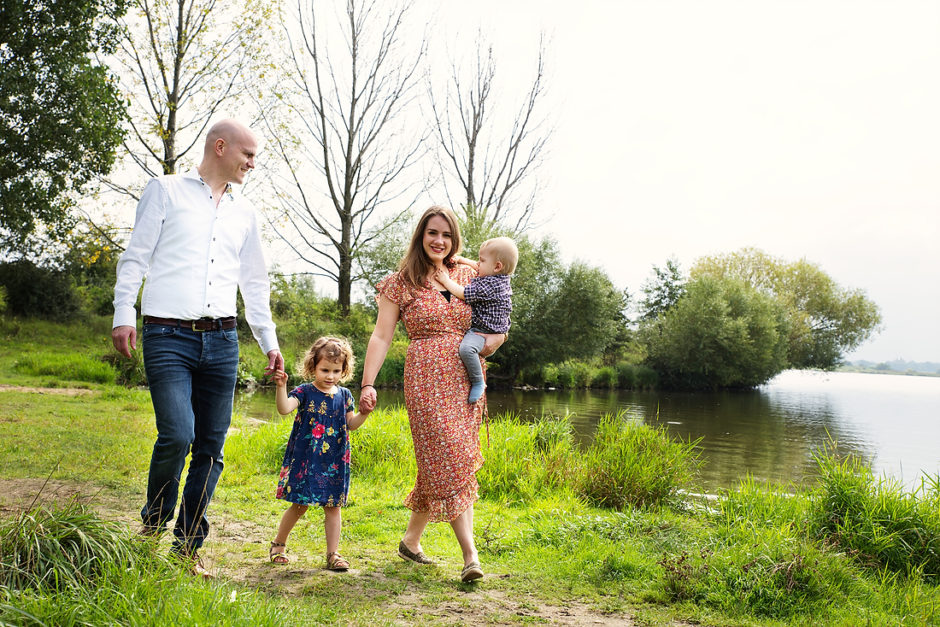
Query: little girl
{"points": [[316, 462]]}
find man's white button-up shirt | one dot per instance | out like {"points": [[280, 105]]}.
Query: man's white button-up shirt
{"points": [[194, 255]]}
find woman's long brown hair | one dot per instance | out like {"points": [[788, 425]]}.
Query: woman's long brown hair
{"points": [[416, 265]]}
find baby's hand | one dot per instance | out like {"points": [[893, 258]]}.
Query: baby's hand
{"points": [[280, 378], [440, 273]]}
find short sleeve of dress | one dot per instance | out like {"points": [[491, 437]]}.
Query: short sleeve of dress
{"points": [[349, 402], [393, 288], [299, 393]]}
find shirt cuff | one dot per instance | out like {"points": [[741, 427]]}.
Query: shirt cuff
{"points": [[125, 316], [268, 341]]}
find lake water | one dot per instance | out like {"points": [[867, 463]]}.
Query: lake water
{"points": [[771, 433]]}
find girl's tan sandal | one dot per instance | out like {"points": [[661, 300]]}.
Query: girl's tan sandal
{"points": [[335, 561], [278, 557]]}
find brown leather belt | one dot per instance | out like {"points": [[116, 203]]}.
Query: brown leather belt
{"points": [[203, 324]]}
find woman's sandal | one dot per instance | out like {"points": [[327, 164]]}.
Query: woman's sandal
{"points": [[278, 557], [335, 561]]}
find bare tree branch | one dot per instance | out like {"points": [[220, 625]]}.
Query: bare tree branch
{"points": [[493, 169], [340, 133]]}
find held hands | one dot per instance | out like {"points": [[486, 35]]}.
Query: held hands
{"points": [[275, 363], [280, 377], [367, 399]]}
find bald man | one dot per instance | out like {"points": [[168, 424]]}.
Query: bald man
{"points": [[196, 242]]}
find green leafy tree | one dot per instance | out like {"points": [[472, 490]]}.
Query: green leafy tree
{"points": [[825, 320], [662, 290], [720, 333], [182, 62], [60, 111], [559, 312]]}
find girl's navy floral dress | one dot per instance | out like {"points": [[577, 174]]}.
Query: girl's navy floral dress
{"points": [[316, 463]]}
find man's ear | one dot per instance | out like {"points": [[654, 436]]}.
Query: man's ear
{"points": [[219, 147]]}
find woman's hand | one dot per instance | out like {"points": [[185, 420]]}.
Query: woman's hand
{"points": [[491, 341], [367, 399]]}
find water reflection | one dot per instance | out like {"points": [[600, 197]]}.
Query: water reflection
{"points": [[770, 433]]}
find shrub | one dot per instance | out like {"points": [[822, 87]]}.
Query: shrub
{"points": [[130, 372], [574, 374], [36, 291], [626, 375], [606, 377], [633, 464], [646, 378], [550, 375]]}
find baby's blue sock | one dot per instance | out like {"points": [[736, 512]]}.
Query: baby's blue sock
{"points": [[476, 391]]}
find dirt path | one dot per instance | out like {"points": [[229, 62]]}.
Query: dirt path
{"points": [[473, 606], [62, 391]]}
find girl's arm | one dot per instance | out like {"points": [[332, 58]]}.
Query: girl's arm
{"points": [[355, 420], [378, 348], [452, 286], [285, 403]]}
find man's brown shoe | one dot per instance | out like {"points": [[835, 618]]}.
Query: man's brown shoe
{"points": [[193, 562]]}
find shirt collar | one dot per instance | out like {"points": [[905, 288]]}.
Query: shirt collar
{"points": [[193, 173]]}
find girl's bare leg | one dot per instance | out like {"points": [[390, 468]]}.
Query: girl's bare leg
{"points": [[463, 529], [332, 525], [288, 520]]}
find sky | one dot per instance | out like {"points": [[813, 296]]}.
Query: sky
{"points": [[683, 128]]}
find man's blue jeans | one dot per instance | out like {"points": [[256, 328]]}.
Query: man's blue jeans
{"points": [[192, 383]]}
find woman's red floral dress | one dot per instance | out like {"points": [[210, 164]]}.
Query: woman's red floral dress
{"points": [[445, 429]]}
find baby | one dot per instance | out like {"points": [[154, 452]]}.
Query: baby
{"points": [[490, 298]]}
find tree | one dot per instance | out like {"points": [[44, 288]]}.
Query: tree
{"points": [[182, 60], [662, 290], [558, 313], [341, 136], [60, 111], [490, 164], [825, 320], [719, 333]]}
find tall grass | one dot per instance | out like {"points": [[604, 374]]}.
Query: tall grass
{"points": [[632, 464], [60, 548], [884, 525], [524, 460], [66, 366], [67, 566]]}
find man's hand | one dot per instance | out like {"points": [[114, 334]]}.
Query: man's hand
{"points": [[275, 362], [122, 336]]}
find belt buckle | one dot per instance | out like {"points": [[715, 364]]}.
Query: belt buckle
{"points": [[192, 323]]}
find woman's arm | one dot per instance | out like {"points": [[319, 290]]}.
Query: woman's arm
{"points": [[492, 341], [378, 348]]}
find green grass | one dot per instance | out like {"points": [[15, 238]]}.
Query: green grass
{"points": [[848, 550]]}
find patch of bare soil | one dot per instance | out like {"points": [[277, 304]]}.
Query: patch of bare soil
{"points": [[61, 391], [226, 554]]}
